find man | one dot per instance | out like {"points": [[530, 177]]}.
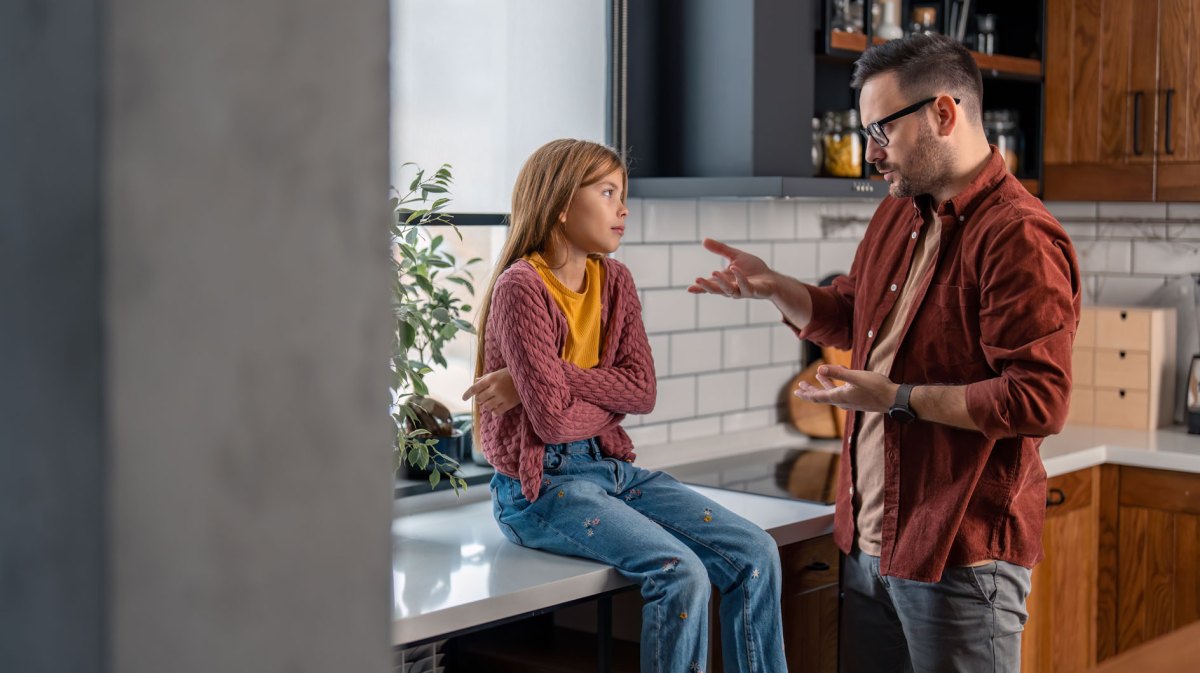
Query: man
{"points": [[961, 307]]}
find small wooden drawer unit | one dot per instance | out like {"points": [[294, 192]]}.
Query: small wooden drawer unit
{"points": [[1124, 367]]}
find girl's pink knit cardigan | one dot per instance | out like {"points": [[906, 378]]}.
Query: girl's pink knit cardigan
{"points": [[560, 402]]}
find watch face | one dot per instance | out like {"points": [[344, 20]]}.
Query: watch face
{"points": [[902, 414]]}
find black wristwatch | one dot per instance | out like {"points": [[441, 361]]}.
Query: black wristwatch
{"points": [[900, 411]]}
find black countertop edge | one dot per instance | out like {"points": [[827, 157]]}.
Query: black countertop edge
{"points": [[756, 187]]}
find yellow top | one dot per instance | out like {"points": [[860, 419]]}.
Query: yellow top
{"points": [[582, 310]]}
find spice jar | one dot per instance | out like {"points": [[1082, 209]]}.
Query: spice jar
{"points": [[818, 147], [843, 144], [1002, 131]]}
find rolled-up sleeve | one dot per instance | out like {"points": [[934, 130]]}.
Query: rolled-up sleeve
{"points": [[1029, 313]]}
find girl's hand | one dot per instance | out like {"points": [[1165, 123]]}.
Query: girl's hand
{"points": [[494, 393]]}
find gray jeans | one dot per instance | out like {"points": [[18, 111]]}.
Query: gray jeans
{"points": [[969, 621]]}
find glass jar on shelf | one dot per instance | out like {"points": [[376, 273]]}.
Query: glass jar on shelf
{"points": [[1003, 132], [843, 144], [818, 147]]}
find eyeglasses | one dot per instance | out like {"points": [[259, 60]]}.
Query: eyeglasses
{"points": [[874, 130]]}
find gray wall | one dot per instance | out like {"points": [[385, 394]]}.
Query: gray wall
{"points": [[238, 436]]}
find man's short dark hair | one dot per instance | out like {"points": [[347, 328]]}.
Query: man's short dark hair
{"points": [[925, 66]]}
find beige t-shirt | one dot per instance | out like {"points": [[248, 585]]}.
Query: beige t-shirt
{"points": [[868, 439]]}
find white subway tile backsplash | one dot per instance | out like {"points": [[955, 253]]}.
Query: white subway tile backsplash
{"points": [[773, 219], [1072, 210], [676, 400], [631, 421], [808, 219], [747, 346], [724, 220], [763, 312], [1133, 211], [700, 427], [690, 261], [765, 387], [1126, 290], [835, 257], [1166, 257], [1080, 231], [668, 310], [1105, 256], [721, 363], [648, 436], [660, 349], [669, 220], [717, 311], [852, 230], [1183, 211], [633, 222], [795, 259], [785, 345], [649, 264], [860, 209], [693, 352], [717, 393], [1132, 230], [747, 420], [1183, 232]]}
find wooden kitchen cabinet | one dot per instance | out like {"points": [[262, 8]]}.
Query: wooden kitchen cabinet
{"points": [[810, 605], [1158, 588], [1060, 634], [1117, 70]]}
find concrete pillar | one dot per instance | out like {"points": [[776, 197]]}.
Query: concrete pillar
{"points": [[202, 475]]}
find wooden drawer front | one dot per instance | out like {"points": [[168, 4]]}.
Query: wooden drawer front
{"points": [[811, 564], [1160, 489], [1122, 408], [1069, 492], [1083, 405], [1123, 329], [1086, 336], [1083, 366], [1123, 369]]}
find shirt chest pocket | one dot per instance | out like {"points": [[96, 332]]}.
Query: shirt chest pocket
{"points": [[944, 336]]}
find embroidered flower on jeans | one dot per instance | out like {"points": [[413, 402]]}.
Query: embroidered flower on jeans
{"points": [[670, 565], [589, 524], [633, 494], [695, 668], [683, 615], [560, 493], [707, 515], [755, 574]]}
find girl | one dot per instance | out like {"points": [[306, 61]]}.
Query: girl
{"points": [[562, 357]]}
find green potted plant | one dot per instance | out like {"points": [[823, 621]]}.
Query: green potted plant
{"points": [[427, 316]]}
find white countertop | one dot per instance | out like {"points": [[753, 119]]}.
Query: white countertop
{"points": [[453, 570]]}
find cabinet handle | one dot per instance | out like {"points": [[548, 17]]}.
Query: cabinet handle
{"points": [[817, 566], [1167, 140], [1137, 122], [1056, 497]]}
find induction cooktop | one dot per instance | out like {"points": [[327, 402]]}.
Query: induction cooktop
{"points": [[799, 473]]}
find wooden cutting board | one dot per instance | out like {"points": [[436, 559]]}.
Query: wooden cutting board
{"points": [[817, 420]]}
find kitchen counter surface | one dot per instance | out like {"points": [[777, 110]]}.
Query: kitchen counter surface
{"points": [[453, 570]]}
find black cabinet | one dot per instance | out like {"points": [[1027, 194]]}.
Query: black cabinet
{"points": [[719, 95]]}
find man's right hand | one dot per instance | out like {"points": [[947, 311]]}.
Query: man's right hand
{"points": [[746, 276]]}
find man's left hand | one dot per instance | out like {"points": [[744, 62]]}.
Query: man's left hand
{"points": [[861, 391]]}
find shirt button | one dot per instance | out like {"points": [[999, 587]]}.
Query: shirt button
{"points": [[893, 287], [914, 234], [851, 491], [962, 218], [870, 333]]}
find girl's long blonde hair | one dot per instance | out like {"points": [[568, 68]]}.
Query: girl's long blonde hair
{"points": [[543, 192]]}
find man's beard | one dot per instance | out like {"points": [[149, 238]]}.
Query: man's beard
{"points": [[926, 169]]}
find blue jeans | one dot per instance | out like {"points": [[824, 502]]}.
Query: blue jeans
{"points": [[969, 622], [675, 543]]}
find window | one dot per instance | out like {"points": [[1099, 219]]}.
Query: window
{"points": [[480, 84]]}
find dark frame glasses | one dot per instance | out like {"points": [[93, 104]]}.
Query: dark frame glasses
{"points": [[874, 130]]}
